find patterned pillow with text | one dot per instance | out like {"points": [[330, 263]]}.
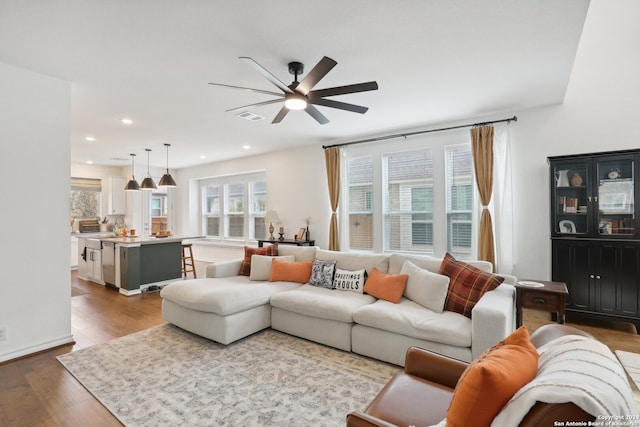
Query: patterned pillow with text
{"points": [[345, 280]]}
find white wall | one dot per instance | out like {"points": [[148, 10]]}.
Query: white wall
{"points": [[296, 186], [600, 113], [602, 104], [35, 303]]}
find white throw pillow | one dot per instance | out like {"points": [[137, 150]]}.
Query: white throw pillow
{"points": [[425, 287], [261, 266], [347, 280]]}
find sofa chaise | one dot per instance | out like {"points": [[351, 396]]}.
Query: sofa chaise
{"points": [[226, 306]]}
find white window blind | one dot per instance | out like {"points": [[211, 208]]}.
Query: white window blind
{"points": [[233, 207], [235, 210], [408, 201], [459, 190], [360, 184], [212, 210], [258, 203]]}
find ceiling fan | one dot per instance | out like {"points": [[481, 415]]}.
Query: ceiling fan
{"points": [[299, 95]]}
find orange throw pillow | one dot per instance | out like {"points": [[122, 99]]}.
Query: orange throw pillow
{"points": [[491, 380], [245, 267], [290, 271], [389, 287]]}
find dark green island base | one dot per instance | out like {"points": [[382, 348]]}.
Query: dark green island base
{"points": [[143, 262]]}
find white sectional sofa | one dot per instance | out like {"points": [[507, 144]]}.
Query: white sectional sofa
{"points": [[226, 307]]}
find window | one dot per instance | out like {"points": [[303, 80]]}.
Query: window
{"points": [[360, 183], [234, 207], [421, 199], [459, 184], [158, 207], [408, 208], [86, 198]]}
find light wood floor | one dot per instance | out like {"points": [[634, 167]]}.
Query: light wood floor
{"points": [[38, 391]]}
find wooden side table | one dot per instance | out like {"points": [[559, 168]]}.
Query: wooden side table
{"points": [[551, 296], [261, 242]]}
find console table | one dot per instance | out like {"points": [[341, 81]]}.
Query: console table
{"points": [[288, 242], [550, 296]]}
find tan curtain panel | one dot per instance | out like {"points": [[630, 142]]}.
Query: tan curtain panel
{"points": [[482, 149], [332, 160]]}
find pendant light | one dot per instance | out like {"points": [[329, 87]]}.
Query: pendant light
{"points": [[167, 180], [147, 183], [132, 185]]}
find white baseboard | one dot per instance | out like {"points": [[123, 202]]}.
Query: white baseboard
{"points": [[26, 351]]}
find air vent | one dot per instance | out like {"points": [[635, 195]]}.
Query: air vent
{"points": [[247, 115], [119, 159]]}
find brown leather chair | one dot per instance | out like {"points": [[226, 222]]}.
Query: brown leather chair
{"points": [[420, 395]]}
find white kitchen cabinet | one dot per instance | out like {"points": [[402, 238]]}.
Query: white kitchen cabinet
{"points": [[74, 252], [117, 200], [94, 265], [90, 260]]}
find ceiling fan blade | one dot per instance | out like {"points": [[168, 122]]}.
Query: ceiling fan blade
{"points": [[315, 75], [340, 105], [313, 112], [259, 104], [343, 90], [278, 118], [248, 89], [260, 69]]}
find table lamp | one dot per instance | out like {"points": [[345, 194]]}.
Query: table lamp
{"points": [[269, 218]]}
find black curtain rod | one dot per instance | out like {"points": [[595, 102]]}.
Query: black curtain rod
{"points": [[404, 135]]}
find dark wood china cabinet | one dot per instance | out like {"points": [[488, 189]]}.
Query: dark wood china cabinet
{"points": [[595, 239]]}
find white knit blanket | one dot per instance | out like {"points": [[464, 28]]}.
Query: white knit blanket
{"points": [[576, 369]]}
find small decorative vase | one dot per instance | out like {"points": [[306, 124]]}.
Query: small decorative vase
{"points": [[576, 180], [306, 235]]}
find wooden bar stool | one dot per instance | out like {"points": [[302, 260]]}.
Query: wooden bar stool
{"points": [[187, 260]]}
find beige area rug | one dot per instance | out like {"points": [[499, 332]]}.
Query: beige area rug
{"points": [[165, 376], [631, 363]]}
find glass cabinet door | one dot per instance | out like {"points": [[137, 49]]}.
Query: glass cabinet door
{"points": [[571, 194], [615, 196]]}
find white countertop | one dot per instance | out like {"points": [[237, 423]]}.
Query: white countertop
{"points": [[146, 240], [135, 240]]}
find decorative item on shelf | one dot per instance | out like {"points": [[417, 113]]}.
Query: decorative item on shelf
{"points": [[301, 233], [562, 178], [306, 234], [132, 185], [281, 236], [576, 180], [614, 174], [270, 217], [167, 179], [567, 227], [147, 183]]}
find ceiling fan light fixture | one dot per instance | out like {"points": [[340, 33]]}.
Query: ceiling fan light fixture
{"points": [[295, 101]]}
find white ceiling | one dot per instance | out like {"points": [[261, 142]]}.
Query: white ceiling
{"points": [[151, 60]]}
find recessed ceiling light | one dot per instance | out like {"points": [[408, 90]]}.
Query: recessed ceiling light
{"points": [[127, 121], [90, 138], [202, 156], [246, 147], [89, 162]]}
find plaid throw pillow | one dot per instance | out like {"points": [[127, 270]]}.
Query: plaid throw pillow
{"points": [[245, 268], [467, 284]]}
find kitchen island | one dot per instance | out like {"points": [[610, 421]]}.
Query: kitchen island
{"points": [[135, 264]]}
